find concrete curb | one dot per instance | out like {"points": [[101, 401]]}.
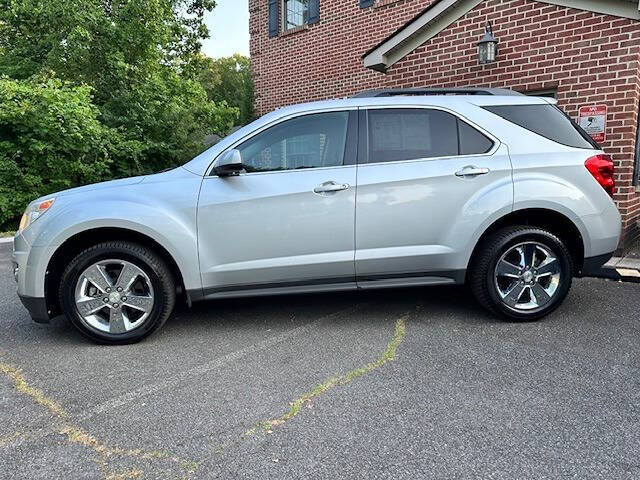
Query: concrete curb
{"points": [[6, 240], [620, 269]]}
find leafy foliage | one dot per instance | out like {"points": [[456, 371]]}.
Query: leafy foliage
{"points": [[97, 89], [50, 140], [229, 79]]}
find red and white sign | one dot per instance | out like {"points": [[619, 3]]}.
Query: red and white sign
{"points": [[593, 120]]}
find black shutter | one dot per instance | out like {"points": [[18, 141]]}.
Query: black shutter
{"points": [[366, 3], [273, 18], [314, 11]]}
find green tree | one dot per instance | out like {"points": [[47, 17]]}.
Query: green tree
{"points": [[131, 61], [79, 38], [134, 55], [50, 139], [229, 80]]}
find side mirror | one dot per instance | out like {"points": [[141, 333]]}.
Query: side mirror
{"points": [[229, 163]]}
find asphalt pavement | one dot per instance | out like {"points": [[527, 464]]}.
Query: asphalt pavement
{"points": [[406, 383]]}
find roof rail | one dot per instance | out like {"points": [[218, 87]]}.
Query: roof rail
{"points": [[394, 92]]}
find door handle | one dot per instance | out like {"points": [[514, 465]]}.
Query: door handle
{"points": [[472, 171], [330, 187]]}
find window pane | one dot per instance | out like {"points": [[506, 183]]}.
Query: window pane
{"points": [[305, 142], [296, 12], [548, 121], [404, 134], [471, 140], [542, 93]]}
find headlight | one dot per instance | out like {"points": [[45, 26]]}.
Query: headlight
{"points": [[34, 211]]}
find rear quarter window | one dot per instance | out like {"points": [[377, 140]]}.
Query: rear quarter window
{"points": [[547, 121], [471, 141]]}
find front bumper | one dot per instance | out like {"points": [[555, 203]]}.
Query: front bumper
{"points": [[30, 266], [37, 308], [29, 270]]}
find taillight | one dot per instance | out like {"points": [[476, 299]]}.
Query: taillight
{"points": [[601, 167]]}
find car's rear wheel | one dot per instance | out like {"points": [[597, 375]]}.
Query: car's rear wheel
{"points": [[117, 292], [521, 273]]}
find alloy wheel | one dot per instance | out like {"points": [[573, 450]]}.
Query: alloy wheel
{"points": [[114, 296], [527, 276]]}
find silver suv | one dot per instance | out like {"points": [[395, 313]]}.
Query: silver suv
{"points": [[390, 188]]}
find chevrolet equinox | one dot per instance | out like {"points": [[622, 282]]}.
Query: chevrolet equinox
{"points": [[390, 188]]}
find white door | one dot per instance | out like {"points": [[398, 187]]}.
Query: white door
{"points": [[288, 222], [426, 182]]}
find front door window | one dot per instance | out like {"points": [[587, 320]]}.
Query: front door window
{"points": [[310, 141]]}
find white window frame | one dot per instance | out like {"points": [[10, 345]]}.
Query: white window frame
{"points": [[285, 26]]}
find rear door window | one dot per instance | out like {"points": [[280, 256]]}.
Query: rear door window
{"points": [[411, 134], [406, 134], [548, 121]]}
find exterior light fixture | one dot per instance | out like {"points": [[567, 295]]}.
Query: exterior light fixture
{"points": [[487, 46]]}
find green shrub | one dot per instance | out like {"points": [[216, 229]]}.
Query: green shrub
{"points": [[97, 89], [50, 139]]}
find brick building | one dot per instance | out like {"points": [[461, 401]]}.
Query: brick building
{"points": [[582, 52]]}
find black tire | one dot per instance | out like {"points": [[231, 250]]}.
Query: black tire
{"points": [[481, 275], [154, 267]]}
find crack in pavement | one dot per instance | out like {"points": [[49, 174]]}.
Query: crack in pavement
{"points": [[340, 380], [172, 381], [75, 435]]}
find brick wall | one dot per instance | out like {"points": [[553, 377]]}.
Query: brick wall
{"points": [[322, 60], [588, 58]]}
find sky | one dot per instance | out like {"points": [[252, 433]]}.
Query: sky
{"points": [[229, 28]]}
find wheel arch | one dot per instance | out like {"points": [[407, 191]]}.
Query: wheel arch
{"points": [[87, 238], [557, 223]]}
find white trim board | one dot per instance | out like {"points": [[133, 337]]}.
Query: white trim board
{"points": [[434, 20], [617, 8], [418, 32]]}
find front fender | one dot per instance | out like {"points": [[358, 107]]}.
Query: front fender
{"points": [[169, 218]]}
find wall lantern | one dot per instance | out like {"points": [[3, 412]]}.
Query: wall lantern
{"points": [[487, 46]]}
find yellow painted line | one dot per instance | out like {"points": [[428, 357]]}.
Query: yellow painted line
{"points": [[8, 439], [21, 385], [199, 371], [129, 474], [76, 435], [79, 436]]}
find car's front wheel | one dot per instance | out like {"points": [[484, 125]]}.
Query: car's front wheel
{"points": [[522, 273], [117, 292]]}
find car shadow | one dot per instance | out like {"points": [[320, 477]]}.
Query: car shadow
{"points": [[443, 300], [279, 312]]}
